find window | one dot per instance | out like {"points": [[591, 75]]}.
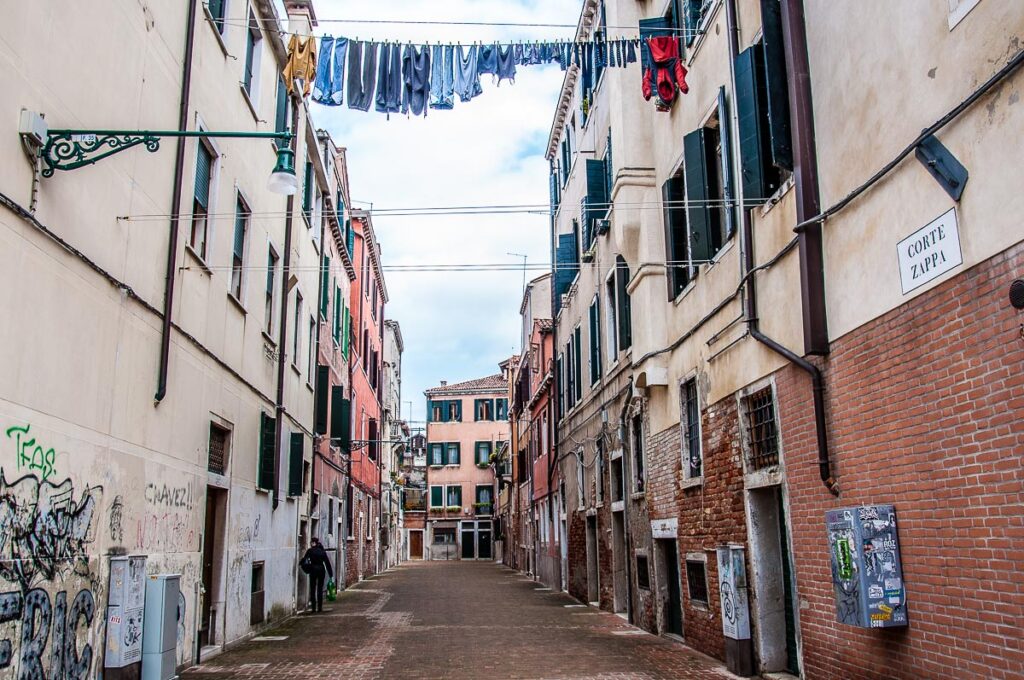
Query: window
{"points": [[268, 310], [205, 159], [454, 411], [689, 421], [623, 312], [595, 340], [595, 205], [296, 333], [560, 372], [311, 350], [637, 441], [618, 482], [266, 473], [599, 472], [242, 217], [501, 409], [373, 303], [762, 434], [308, 180], [577, 366], [281, 122], [350, 501], [762, 110], [453, 449], [677, 243], [256, 595], [436, 410], [454, 496], [581, 482], [612, 329], [483, 453], [437, 456], [484, 499], [570, 374], [336, 333], [567, 153], [483, 409], [217, 10], [217, 454], [437, 496], [697, 580], [253, 57], [643, 572]]}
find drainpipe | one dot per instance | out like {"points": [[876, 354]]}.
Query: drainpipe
{"points": [[172, 233], [627, 501], [805, 169], [807, 174], [282, 335]]}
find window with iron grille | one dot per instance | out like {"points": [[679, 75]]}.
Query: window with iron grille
{"points": [[643, 573], [218, 450], [697, 580], [693, 455], [762, 435]]}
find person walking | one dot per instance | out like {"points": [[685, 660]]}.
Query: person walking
{"points": [[317, 565]]}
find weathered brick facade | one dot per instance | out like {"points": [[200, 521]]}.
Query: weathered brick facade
{"points": [[925, 413], [358, 544]]}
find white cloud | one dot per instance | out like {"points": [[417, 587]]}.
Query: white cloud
{"points": [[456, 325]]}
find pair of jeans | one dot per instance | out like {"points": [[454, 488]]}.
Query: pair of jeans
{"points": [[389, 79], [362, 73], [329, 87], [442, 77], [506, 64], [467, 79], [316, 589], [415, 79]]}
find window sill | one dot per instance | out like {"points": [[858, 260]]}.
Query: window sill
{"points": [[618, 506], [637, 495], [199, 260], [309, 386], [267, 338], [248, 100], [779, 194], [691, 482], [216, 32], [295, 369], [237, 304]]}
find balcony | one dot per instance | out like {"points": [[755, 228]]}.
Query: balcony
{"points": [[483, 509]]}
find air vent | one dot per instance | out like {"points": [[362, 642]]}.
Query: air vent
{"points": [[1017, 294]]}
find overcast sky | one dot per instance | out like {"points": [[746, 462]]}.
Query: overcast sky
{"points": [[456, 325]]}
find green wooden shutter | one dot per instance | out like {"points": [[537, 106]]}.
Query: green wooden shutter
{"points": [[341, 417], [281, 113], [265, 471], [295, 459], [623, 303], [458, 410], [204, 163], [553, 194], [677, 249], [753, 141], [325, 285], [596, 201], [320, 406], [776, 84], [216, 8], [578, 378], [307, 189], [346, 331], [337, 314], [595, 342], [700, 215], [728, 186], [436, 496]]}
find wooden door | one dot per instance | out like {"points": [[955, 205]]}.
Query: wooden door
{"points": [[416, 545]]}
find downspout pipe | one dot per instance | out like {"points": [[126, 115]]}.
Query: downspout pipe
{"points": [[627, 473], [172, 231], [750, 305], [282, 336]]}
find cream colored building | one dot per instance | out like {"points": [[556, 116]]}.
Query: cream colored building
{"points": [[83, 261]]}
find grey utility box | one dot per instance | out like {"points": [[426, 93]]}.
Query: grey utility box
{"points": [[867, 577], [160, 630], [127, 597]]}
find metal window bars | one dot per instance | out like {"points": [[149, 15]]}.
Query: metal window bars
{"points": [[761, 430]]}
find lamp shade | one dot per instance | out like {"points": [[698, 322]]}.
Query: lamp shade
{"points": [[283, 179]]}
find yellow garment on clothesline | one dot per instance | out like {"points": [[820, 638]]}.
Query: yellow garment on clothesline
{"points": [[301, 63]]}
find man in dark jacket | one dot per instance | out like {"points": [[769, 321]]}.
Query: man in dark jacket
{"points": [[318, 565]]}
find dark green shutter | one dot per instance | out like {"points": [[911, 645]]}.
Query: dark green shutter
{"points": [[725, 141], [339, 413], [553, 195], [609, 175], [307, 189], [753, 141], [320, 399], [624, 310], [204, 162], [677, 250], [325, 286], [595, 341], [458, 410], [699, 158], [350, 244], [597, 198], [216, 8], [691, 16], [295, 456], [265, 472], [436, 496], [649, 28], [281, 114], [578, 367], [776, 85]]}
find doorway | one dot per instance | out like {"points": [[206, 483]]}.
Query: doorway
{"points": [[476, 539], [619, 562], [210, 633], [415, 544], [775, 611], [593, 582], [669, 587]]}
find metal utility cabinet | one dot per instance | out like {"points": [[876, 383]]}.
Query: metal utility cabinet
{"points": [[867, 576], [125, 612], [160, 630]]}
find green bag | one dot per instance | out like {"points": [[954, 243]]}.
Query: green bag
{"points": [[332, 590]]}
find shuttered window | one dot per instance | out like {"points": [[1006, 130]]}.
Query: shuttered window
{"points": [[437, 496], [265, 465], [201, 201], [728, 185], [320, 406], [336, 330], [325, 285], [595, 204], [776, 84], [577, 377], [623, 311], [307, 190], [554, 193], [566, 265], [295, 461], [346, 332], [341, 417], [701, 177], [677, 248], [216, 10], [238, 248], [281, 111], [595, 340]]}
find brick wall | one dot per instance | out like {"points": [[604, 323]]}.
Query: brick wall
{"points": [[925, 410]]}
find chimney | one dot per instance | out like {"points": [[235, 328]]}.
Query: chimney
{"points": [[444, 383]]}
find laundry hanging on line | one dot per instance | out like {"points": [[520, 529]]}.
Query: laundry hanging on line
{"points": [[402, 77]]}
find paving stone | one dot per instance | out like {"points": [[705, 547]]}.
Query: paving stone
{"points": [[452, 620]]}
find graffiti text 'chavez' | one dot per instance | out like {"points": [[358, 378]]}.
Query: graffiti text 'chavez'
{"points": [[30, 455]]}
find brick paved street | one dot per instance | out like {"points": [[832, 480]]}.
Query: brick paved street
{"points": [[457, 620]]}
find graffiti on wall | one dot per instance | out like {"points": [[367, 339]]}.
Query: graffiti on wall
{"points": [[30, 455], [167, 523]]}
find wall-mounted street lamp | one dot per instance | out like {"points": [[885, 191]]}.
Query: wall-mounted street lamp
{"points": [[71, 149]]}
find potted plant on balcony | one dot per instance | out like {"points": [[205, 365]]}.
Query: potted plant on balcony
{"points": [[482, 508], [454, 508]]}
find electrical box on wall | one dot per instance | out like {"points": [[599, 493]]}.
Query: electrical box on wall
{"points": [[867, 576]]}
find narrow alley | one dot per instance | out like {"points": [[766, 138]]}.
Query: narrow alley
{"points": [[456, 620]]}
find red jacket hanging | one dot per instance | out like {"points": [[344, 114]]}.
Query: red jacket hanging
{"points": [[666, 73]]}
